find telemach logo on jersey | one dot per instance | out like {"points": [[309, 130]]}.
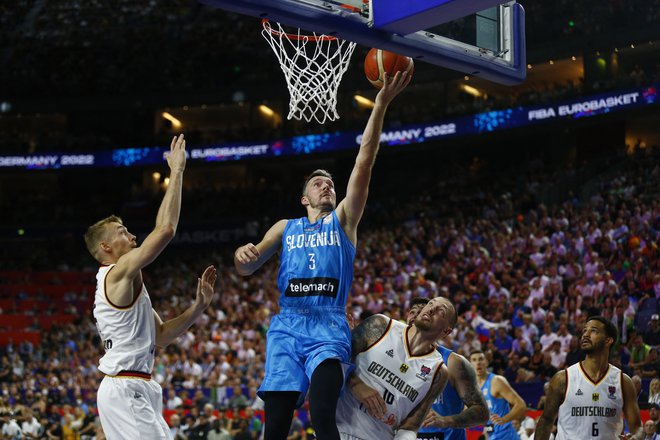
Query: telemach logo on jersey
{"points": [[318, 286]]}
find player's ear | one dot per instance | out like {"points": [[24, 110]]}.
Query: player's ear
{"points": [[304, 200]]}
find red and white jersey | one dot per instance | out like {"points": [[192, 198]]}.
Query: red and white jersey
{"points": [[401, 378], [591, 410], [128, 333]]}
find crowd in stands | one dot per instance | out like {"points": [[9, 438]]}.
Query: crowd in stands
{"points": [[523, 276]]}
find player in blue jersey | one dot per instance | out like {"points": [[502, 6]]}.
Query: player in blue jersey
{"points": [[504, 403], [308, 344], [461, 405]]}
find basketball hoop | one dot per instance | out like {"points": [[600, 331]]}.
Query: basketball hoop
{"points": [[313, 67]]}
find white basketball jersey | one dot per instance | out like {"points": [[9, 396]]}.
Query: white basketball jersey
{"points": [[128, 333], [591, 410], [402, 379]]}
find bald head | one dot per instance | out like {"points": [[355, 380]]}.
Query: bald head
{"points": [[438, 315], [451, 310]]}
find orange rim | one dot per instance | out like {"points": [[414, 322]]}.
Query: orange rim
{"points": [[297, 37]]}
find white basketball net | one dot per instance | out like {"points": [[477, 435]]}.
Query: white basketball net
{"points": [[313, 66]]}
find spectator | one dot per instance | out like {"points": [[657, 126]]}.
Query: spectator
{"points": [[654, 415], [651, 366], [31, 428], [10, 429], [471, 343], [218, 431], [175, 428], [241, 430], [529, 330], [238, 400], [639, 352], [173, 401], [565, 337], [548, 337], [557, 356], [503, 341], [654, 391], [652, 333], [649, 431], [254, 423]]}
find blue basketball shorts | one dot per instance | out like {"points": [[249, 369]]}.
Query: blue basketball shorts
{"points": [[298, 340]]}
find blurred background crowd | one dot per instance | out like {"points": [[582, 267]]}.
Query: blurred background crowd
{"points": [[523, 276]]}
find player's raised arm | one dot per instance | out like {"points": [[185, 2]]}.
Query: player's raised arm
{"points": [[167, 219], [250, 257], [413, 422], [114, 244], [350, 210], [553, 400]]}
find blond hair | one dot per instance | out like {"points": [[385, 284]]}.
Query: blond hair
{"points": [[654, 396], [97, 232]]}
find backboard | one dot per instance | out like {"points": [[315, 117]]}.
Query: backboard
{"points": [[478, 37]]}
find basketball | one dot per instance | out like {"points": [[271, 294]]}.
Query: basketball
{"points": [[379, 61]]}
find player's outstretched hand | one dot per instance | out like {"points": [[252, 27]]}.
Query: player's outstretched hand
{"points": [[176, 157], [247, 254], [205, 286], [370, 398], [392, 86]]}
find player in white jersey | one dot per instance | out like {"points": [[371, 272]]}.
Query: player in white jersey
{"points": [[130, 403], [592, 397], [397, 364]]}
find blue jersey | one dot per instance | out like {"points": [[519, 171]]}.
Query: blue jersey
{"points": [[316, 263], [447, 404], [499, 406]]}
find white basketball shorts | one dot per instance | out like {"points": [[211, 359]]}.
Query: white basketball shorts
{"points": [[131, 408]]}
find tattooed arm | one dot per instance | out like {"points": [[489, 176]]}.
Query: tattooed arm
{"points": [[464, 381], [414, 420], [553, 399], [368, 332], [362, 337]]}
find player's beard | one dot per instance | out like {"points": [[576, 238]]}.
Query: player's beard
{"points": [[324, 206], [594, 347], [422, 325]]}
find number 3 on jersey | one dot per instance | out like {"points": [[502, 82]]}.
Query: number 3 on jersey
{"points": [[312, 261]]}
